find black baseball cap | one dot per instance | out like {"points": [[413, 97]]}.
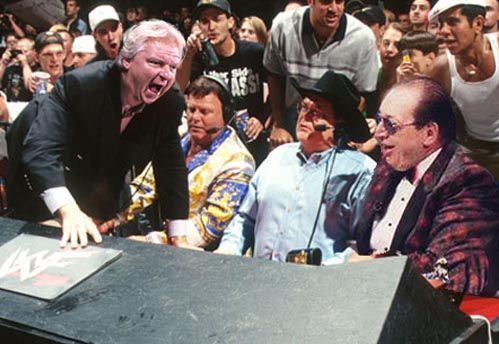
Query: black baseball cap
{"points": [[222, 5], [371, 15], [345, 97], [46, 38], [353, 6]]}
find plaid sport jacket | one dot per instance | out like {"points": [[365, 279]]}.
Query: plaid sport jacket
{"points": [[453, 214]]}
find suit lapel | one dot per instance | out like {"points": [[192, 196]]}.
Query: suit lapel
{"points": [[412, 212], [110, 124]]}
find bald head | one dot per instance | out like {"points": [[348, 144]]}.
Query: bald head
{"points": [[432, 104]]}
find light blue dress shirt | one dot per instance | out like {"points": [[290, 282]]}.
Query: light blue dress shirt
{"points": [[280, 207]]}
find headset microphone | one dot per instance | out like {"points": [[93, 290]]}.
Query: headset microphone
{"points": [[213, 130], [321, 127]]}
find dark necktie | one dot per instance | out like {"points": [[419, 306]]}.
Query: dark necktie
{"points": [[410, 174]]}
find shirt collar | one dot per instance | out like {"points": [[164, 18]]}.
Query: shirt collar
{"points": [[424, 165], [338, 35], [127, 111], [314, 158], [203, 155]]}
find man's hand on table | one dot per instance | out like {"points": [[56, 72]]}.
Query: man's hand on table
{"points": [[75, 226]]}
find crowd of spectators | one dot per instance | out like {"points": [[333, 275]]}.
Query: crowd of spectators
{"points": [[340, 122]]}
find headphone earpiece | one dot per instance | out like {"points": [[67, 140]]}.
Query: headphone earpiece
{"points": [[227, 101]]}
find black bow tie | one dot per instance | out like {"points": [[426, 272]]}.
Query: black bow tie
{"points": [[410, 174]]}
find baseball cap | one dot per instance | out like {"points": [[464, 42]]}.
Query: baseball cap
{"points": [[443, 5], [222, 5], [45, 38], [353, 6], [101, 14], [84, 44], [371, 15]]}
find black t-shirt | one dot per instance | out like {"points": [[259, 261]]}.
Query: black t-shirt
{"points": [[13, 85], [244, 74]]}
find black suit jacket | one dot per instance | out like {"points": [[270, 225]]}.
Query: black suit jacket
{"points": [[73, 139]]}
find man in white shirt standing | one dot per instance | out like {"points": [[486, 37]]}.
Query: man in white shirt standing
{"points": [[468, 71], [427, 199]]}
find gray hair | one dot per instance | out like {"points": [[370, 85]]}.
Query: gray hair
{"points": [[136, 37]]}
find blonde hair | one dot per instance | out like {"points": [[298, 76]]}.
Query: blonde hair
{"points": [[260, 28]]}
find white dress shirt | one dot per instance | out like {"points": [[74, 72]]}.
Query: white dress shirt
{"points": [[384, 228]]}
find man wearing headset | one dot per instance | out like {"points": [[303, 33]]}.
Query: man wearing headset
{"points": [[304, 194], [219, 168]]}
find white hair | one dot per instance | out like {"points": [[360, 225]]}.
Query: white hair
{"points": [[136, 37]]}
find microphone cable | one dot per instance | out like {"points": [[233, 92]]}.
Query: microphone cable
{"points": [[341, 140]]}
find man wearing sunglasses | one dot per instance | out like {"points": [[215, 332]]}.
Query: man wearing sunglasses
{"points": [[427, 199]]}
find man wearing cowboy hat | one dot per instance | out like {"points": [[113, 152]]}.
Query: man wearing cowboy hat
{"points": [[307, 191]]}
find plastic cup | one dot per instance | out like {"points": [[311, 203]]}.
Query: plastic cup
{"points": [[42, 80]]}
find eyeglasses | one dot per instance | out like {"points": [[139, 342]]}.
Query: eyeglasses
{"points": [[310, 109], [392, 127]]}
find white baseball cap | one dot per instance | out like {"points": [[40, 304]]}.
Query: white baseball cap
{"points": [[84, 44], [101, 14], [443, 5]]}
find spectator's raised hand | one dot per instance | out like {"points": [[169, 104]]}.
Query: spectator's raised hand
{"points": [[6, 57], [405, 69], [371, 124], [254, 128], [279, 136], [194, 41], [21, 58], [31, 84]]}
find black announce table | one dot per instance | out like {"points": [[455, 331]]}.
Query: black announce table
{"points": [[161, 294]]}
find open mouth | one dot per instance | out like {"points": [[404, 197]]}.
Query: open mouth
{"points": [[155, 88], [113, 45], [331, 18]]}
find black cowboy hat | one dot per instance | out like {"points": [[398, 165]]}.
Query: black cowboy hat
{"points": [[345, 97]]}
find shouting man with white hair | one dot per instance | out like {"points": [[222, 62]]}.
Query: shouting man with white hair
{"points": [[97, 122]]}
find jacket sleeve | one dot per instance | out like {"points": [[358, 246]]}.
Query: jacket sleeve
{"points": [[46, 141], [462, 232]]}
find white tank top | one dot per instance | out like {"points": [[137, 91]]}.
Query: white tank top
{"points": [[478, 101]]}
